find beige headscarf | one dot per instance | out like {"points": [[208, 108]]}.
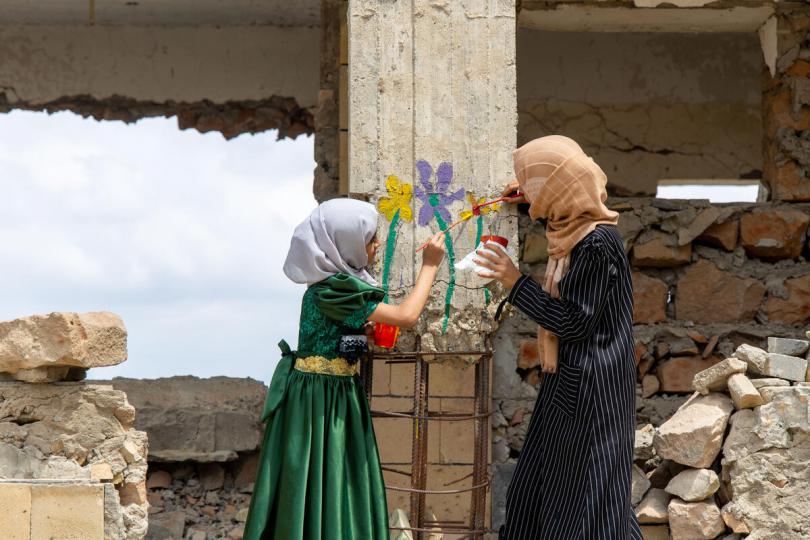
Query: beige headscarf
{"points": [[568, 189]]}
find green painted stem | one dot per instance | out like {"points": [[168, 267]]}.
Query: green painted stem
{"points": [[479, 230], [451, 266], [390, 246]]}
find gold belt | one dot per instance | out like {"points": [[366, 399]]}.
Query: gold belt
{"points": [[320, 365]]}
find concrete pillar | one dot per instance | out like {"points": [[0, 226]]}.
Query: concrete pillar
{"points": [[432, 97]]}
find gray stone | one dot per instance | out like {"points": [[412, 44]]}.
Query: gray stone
{"points": [[694, 485], [694, 435], [654, 507], [741, 439], [640, 485], [643, 447], [789, 347], [61, 340], [204, 420], [762, 383], [715, 377], [695, 520]]}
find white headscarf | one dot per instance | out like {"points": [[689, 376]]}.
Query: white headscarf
{"points": [[332, 240]]}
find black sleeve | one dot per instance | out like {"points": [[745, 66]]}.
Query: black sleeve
{"points": [[584, 289]]}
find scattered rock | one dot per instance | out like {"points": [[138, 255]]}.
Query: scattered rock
{"points": [[159, 480], [755, 357], [782, 366], [655, 532], [694, 435], [789, 347], [796, 308], [167, 525], [643, 447], [694, 520], [716, 376], [640, 485], [694, 485], [734, 523], [653, 508], [743, 393], [707, 294]]}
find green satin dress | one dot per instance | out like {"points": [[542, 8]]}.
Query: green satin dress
{"points": [[319, 473]]}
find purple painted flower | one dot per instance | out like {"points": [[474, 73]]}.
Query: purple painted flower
{"points": [[435, 200]]}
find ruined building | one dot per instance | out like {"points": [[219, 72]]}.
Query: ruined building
{"points": [[416, 105]]}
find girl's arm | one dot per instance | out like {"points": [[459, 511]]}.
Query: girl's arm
{"points": [[407, 313], [572, 318]]}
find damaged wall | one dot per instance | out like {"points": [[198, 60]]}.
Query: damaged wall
{"points": [[646, 106], [232, 79]]}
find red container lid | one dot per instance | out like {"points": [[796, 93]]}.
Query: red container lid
{"points": [[497, 239]]}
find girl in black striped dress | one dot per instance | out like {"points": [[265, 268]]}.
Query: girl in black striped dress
{"points": [[572, 480]]}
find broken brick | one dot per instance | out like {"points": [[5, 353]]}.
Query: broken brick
{"points": [[707, 294], [774, 234], [528, 354]]}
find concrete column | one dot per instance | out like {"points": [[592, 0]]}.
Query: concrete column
{"points": [[432, 96]]}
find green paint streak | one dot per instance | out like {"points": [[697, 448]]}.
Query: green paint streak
{"points": [[451, 266], [479, 230], [390, 245]]}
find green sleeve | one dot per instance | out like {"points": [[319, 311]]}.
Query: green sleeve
{"points": [[347, 299]]}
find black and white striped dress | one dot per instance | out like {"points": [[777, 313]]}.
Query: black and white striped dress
{"points": [[572, 480]]}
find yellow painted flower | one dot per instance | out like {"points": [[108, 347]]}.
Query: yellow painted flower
{"points": [[467, 214], [398, 200]]}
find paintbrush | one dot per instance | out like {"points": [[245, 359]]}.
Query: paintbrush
{"points": [[475, 212]]}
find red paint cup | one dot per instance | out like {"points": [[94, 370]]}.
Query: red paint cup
{"points": [[385, 335], [497, 239]]}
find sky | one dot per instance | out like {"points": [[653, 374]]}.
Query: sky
{"points": [[180, 233]]}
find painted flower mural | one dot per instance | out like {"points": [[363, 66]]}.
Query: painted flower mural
{"points": [[478, 213], [395, 207], [435, 200]]}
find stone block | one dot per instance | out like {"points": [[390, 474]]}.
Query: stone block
{"points": [[694, 434], [649, 299], [212, 476], [456, 439], [15, 509], [67, 511], [167, 525], [776, 233], [159, 480], [762, 383], [649, 385], [694, 485], [790, 347], [723, 235], [743, 393], [795, 309], [694, 520], [678, 374], [62, 339], [707, 294], [716, 376], [654, 532], [653, 508], [660, 251], [782, 366]]}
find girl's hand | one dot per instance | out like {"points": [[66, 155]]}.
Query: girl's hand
{"points": [[511, 190], [500, 267], [433, 254]]}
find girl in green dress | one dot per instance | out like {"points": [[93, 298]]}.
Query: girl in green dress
{"points": [[319, 473]]}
